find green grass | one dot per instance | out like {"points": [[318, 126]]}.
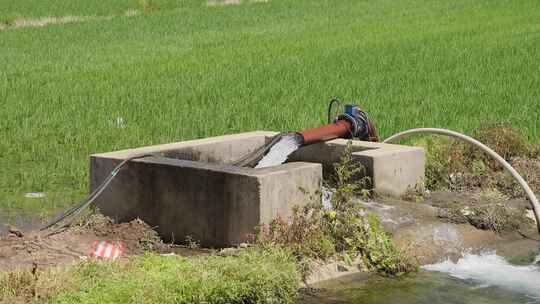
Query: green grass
{"points": [[188, 71], [251, 277]]}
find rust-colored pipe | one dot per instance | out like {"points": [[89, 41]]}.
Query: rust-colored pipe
{"points": [[340, 129]]}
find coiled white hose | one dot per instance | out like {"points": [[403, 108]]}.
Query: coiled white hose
{"points": [[486, 149]]}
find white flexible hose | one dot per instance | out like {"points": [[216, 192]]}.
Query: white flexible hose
{"points": [[486, 149]]}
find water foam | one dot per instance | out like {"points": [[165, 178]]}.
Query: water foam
{"points": [[489, 269], [279, 153]]}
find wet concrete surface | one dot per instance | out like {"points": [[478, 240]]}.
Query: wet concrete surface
{"points": [[417, 228]]}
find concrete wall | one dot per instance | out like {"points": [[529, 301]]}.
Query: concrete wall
{"points": [[214, 203], [188, 188], [393, 169]]}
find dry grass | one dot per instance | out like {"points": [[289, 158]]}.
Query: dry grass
{"points": [[44, 21], [460, 167], [35, 285], [22, 22]]}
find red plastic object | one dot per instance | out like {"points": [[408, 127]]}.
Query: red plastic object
{"points": [[107, 250]]}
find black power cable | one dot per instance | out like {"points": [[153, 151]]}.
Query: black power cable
{"points": [[330, 106], [74, 211], [248, 160]]}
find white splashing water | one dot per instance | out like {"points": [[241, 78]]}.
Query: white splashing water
{"points": [[279, 153], [489, 269]]}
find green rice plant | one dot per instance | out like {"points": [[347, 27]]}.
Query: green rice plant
{"points": [[189, 71]]}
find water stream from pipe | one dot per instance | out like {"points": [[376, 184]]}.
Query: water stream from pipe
{"points": [[279, 153], [489, 269], [484, 278]]}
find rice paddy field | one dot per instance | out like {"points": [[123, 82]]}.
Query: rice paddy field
{"points": [[80, 77]]}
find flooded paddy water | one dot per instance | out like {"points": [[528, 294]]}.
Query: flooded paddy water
{"points": [[23, 221]]}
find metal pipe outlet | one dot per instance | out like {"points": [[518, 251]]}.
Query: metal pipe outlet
{"points": [[352, 123], [340, 129]]}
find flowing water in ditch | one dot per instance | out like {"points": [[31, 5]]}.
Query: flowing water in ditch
{"points": [[475, 278], [279, 153], [483, 278]]}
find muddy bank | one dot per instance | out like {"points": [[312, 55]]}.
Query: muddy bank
{"points": [[418, 228], [35, 249]]}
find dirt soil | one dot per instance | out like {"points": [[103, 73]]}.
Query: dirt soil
{"points": [[34, 249]]}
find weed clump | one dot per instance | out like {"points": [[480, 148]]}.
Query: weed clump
{"points": [[460, 167], [457, 166], [304, 234], [496, 217], [415, 194], [33, 285], [503, 139], [488, 210], [345, 229]]}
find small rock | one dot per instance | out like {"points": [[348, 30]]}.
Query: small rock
{"points": [[15, 232], [342, 268], [243, 245], [466, 211]]}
